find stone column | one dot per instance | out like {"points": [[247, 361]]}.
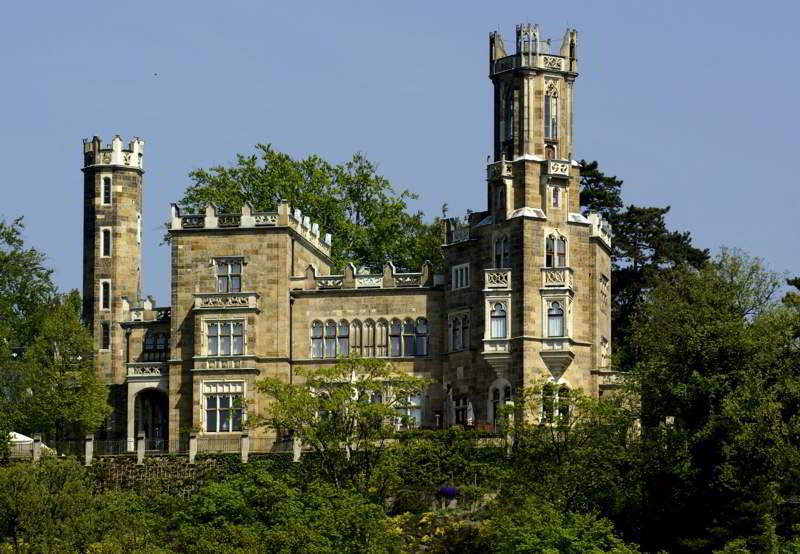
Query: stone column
{"points": [[88, 449], [244, 445], [192, 446], [140, 440], [37, 447]]}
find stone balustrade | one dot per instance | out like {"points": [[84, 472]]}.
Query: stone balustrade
{"points": [[147, 369], [558, 168], [496, 346], [498, 169], [497, 279], [389, 279], [558, 277], [226, 300]]}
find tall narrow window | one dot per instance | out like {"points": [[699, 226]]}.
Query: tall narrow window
{"points": [[161, 346], [213, 339], [548, 403], [238, 339], [555, 252], [555, 320], [394, 335], [509, 119], [106, 242], [499, 197], [229, 276], [381, 337], [502, 256], [551, 112], [421, 346], [498, 317], [330, 339], [563, 404], [549, 251], [105, 295], [369, 339], [409, 338], [561, 252], [556, 197], [316, 340], [457, 344], [344, 338], [106, 340], [465, 331], [107, 191], [355, 338], [495, 404]]}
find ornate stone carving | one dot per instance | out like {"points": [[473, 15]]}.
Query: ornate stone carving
{"points": [[604, 353], [229, 220], [551, 62], [498, 279], [106, 157], [604, 286], [330, 282], [144, 371], [408, 280], [266, 219], [126, 157], [558, 168], [369, 281], [193, 222], [224, 301]]}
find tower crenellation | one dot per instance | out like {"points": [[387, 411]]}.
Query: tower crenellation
{"points": [[95, 153]]}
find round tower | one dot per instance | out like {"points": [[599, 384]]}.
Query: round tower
{"points": [[112, 236]]}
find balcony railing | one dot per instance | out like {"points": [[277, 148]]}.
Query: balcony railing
{"points": [[497, 279], [225, 300], [496, 346], [558, 168], [558, 277], [147, 369]]}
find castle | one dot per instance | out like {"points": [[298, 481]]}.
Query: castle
{"points": [[525, 295]]}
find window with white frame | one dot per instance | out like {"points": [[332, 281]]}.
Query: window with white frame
{"points": [[499, 321], [459, 332], [555, 320], [105, 242], [223, 406], [500, 396], [556, 403], [229, 275], [106, 191], [225, 338], [460, 275], [330, 339], [501, 252], [555, 251], [317, 350], [105, 294]]}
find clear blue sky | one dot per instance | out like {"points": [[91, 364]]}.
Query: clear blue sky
{"points": [[693, 104]]}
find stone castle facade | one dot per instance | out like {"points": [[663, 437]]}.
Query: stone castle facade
{"points": [[525, 295]]}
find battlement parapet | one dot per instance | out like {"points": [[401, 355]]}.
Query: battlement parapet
{"points": [[95, 153], [390, 278], [247, 219], [532, 51]]}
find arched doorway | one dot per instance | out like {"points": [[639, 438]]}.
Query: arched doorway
{"points": [[151, 417]]}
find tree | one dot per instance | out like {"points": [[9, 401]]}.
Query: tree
{"points": [[642, 247], [369, 221], [344, 413], [719, 381], [61, 393]]}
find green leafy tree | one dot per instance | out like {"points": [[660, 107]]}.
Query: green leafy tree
{"points": [[369, 221], [642, 248], [61, 394], [718, 381], [345, 413]]}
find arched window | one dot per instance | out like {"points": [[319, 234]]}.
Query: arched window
{"points": [[555, 320], [498, 317], [551, 112], [501, 252], [330, 339], [317, 350], [555, 250], [355, 337], [381, 337], [369, 339], [421, 346], [106, 240], [395, 336], [344, 338], [409, 337]]}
